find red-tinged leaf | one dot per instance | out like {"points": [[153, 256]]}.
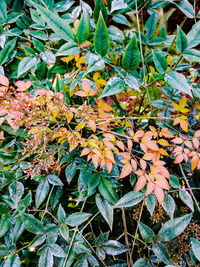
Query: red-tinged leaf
{"points": [[120, 144], [184, 125], [159, 194], [86, 85], [143, 164], [126, 170], [129, 144], [177, 140], [143, 147], [178, 159], [163, 152], [23, 86], [134, 164], [81, 93], [194, 162], [197, 133], [1, 120], [140, 183], [161, 182], [95, 160], [109, 166], [148, 156], [166, 133], [152, 145], [188, 144], [4, 80], [150, 188], [93, 92], [92, 125], [109, 137], [85, 151], [163, 142], [195, 142]]}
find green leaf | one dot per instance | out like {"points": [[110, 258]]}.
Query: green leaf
{"points": [[41, 193], [12, 261], [64, 231], [150, 202], [70, 171], [161, 252], [38, 240], [174, 227], [160, 62], [131, 58], [32, 224], [16, 190], [169, 205], [115, 85], [57, 251], [101, 37], [7, 51], [146, 233], [174, 181], [119, 18], [113, 247], [141, 263], [68, 49], [107, 191], [178, 81], [83, 30], [46, 259], [5, 224], [61, 213], [129, 200], [3, 208], [54, 180], [93, 181], [150, 26], [94, 62], [194, 36], [105, 209], [181, 42], [192, 55], [99, 8], [38, 45], [77, 218], [155, 92], [186, 198], [57, 24], [196, 248], [117, 5], [185, 7], [132, 82], [26, 64], [3, 12]]}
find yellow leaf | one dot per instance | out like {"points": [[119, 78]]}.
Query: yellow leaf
{"points": [[67, 59]]}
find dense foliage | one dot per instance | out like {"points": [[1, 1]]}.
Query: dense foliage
{"points": [[99, 134]]}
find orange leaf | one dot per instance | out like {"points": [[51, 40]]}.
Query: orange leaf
{"points": [[134, 164], [177, 140], [159, 194], [178, 159], [194, 162], [4, 80], [197, 133], [195, 142], [126, 170], [163, 142], [120, 144], [150, 188], [152, 145], [166, 133], [143, 164], [140, 183]]}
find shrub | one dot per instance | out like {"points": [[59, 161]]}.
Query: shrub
{"points": [[99, 135]]}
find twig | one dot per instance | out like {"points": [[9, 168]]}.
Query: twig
{"points": [[137, 229], [188, 185]]}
